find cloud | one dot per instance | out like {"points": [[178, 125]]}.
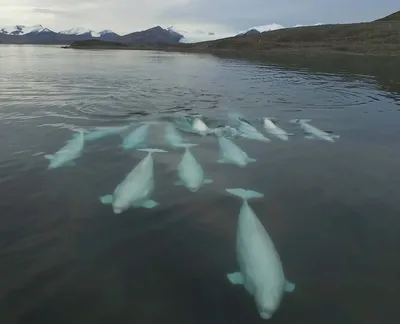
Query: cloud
{"points": [[244, 14], [124, 16]]}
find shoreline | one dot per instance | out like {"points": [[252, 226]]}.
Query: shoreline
{"points": [[379, 38]]}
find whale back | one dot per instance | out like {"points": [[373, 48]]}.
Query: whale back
{"points": [[172, 136], [232, 152], [70, 151], [137, 185], [259, 261], [100, 133], [136, 137], [199, 125], [190, 171], [268, 124]]}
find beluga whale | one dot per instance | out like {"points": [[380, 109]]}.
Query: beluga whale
{"points": [[232, 154], [247, 130], [190, 172], [260, 267], [172, 136], [137, 187], [137, 138], [313, 132], [101, 132], [271, 128], [200, 127], [66, 155]]}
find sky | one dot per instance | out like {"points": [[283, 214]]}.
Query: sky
{"points": [[220, 16]]}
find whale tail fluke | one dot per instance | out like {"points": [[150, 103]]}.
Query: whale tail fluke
{"points": [[152, 150], [185, 145], [245, 194]]}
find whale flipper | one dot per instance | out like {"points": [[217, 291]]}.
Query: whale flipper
{"points": [[236, 278], [149, 204], [251, 160], [208, 181], [49, 156], [106, 199], [223, 161], [289, 286]]}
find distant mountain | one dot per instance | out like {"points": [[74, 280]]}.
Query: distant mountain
{"points": [[19, 30], [252, 31], [20, 34], [260, 29], [195, 35], [155, 35]]}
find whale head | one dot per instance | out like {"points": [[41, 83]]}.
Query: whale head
{"points": [[267, 302]]}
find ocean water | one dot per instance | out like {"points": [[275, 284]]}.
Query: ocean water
{"points": [[331, 209]]}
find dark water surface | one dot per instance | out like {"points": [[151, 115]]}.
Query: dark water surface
{"points": [[332, 210]]}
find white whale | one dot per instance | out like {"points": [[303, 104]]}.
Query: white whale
{"points": [[314, 132], [172, 136], [69, 152], [274, 130], [250, 132], [200, 127], [190, 172], [232, 154], [137, 138], [260, 267], [101, 132], [135, 190]]}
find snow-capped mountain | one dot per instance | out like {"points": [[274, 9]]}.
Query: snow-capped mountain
{"points": [[19, 30], [317, 24], [81, 31], [261, 29], [193, 35]]}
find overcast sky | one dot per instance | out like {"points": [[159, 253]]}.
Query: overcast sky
{"points": [[124, 16]]}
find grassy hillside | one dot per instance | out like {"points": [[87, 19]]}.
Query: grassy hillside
{"points": [[393, 17], [363, 38]]}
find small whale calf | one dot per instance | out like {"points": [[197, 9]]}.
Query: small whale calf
{"points": [[104, 131], [190, 172], [135, 190], [313, 132], [274, 130], [66, 155], [137, 138], [172, 136], [261, 270], [232, 154]]}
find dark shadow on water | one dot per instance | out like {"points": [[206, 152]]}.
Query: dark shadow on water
{"points": [[383, 69]]}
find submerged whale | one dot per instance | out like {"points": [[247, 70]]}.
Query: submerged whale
{"points": [[274, 130], [314, 132], [249, 131], [66, 155], [135, 190], [261, 270], [137, 138], [101, 132], [232, 154], [190, 172], [172, 136]]}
